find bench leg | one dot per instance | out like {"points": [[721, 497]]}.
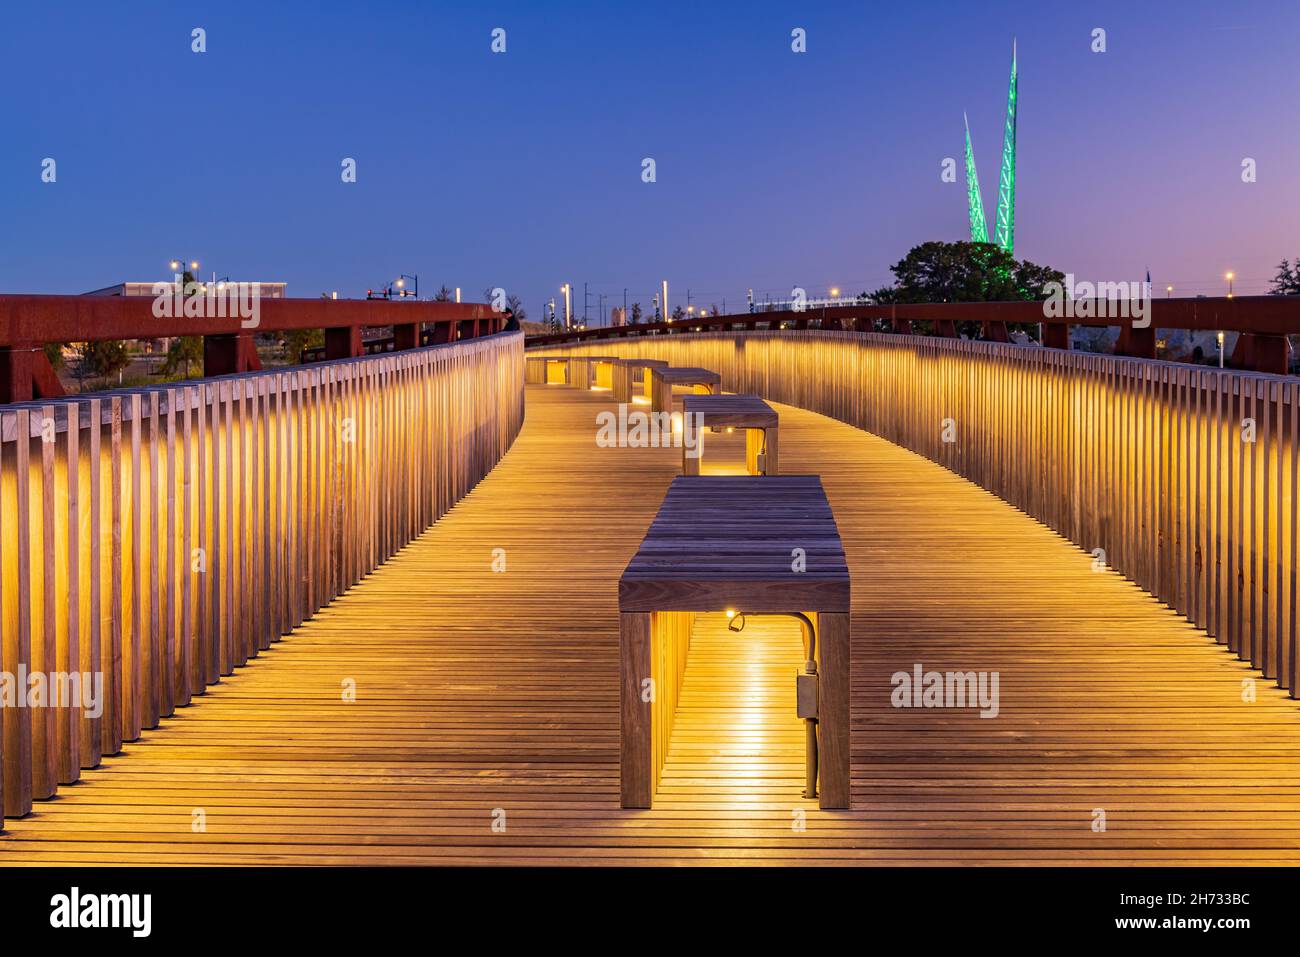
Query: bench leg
{"points": [[636, 742], [833, 708]]}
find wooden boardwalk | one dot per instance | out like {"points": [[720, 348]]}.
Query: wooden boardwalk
{"points": [[489, 697]]}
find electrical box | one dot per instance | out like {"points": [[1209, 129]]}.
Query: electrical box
{"points": [[760, 463], [806, 695]]}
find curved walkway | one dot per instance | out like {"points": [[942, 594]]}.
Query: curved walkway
{"points": [[485, 722]]}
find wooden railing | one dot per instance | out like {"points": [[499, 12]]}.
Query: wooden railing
{"points": [[27, 323], [1181, 478], [162, 537], [1260, 325]]}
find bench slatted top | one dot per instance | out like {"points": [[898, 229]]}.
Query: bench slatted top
{"points": [[741, 411], [684, 375], [722, 542], [643, 363]]}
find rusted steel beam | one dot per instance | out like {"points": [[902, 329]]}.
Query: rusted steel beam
{"points": [[27, 322], [1260, 353], [343, 342], [1056, 336], [230, 354], [406, 336], [1260, 315], [995, 331], [40, 319], [45, 381], [16, 372], [1138, 343]]}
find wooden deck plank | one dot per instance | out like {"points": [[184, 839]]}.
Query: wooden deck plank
{"points": [[479, 690]]}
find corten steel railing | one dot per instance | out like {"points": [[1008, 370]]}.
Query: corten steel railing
{"points": [[164, 536], [1264, 322], [1184, 476], [28, 322]]}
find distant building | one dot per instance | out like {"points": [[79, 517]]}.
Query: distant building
{"points": [[268, 290]]}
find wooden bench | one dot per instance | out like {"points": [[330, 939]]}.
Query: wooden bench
{"points": [[592, 372], [626, 372], [664, 378], [548, 370], [749, 544], [748, 412]]}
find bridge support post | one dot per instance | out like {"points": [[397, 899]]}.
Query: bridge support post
{"points": [[16, 363], [406, 336], [1137, 343], [946, 328], [1056, 335], [1262, 353], [229, 354], [343, 342], [995, 331], [26, 374]]}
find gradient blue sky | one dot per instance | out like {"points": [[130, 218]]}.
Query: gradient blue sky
{"points": [[523, 170]]}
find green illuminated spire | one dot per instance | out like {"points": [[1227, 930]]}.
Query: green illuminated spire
{"points": [[1005, 230], [979, 230]]}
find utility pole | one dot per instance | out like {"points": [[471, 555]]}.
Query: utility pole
{"points": [[584, 303]]}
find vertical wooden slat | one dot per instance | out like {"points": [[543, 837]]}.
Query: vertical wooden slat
{"points": [[16, 652], [69, 657], [92, 647], [45, 757], [166, 556]]}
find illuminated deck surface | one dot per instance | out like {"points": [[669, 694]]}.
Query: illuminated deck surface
{"points": [[478, 690]]}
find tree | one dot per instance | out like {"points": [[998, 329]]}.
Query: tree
{"points": [[636, 313], [516, 305], [1287, 280], [678, 312], [100, 359], [965, 272], [443, 295], [54, 353], [183, 355], [294, 341]]}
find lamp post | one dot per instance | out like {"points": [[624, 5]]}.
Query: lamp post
{"points": [[178, 267], [1230, 277], [1169, 291], [400, 283]]}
